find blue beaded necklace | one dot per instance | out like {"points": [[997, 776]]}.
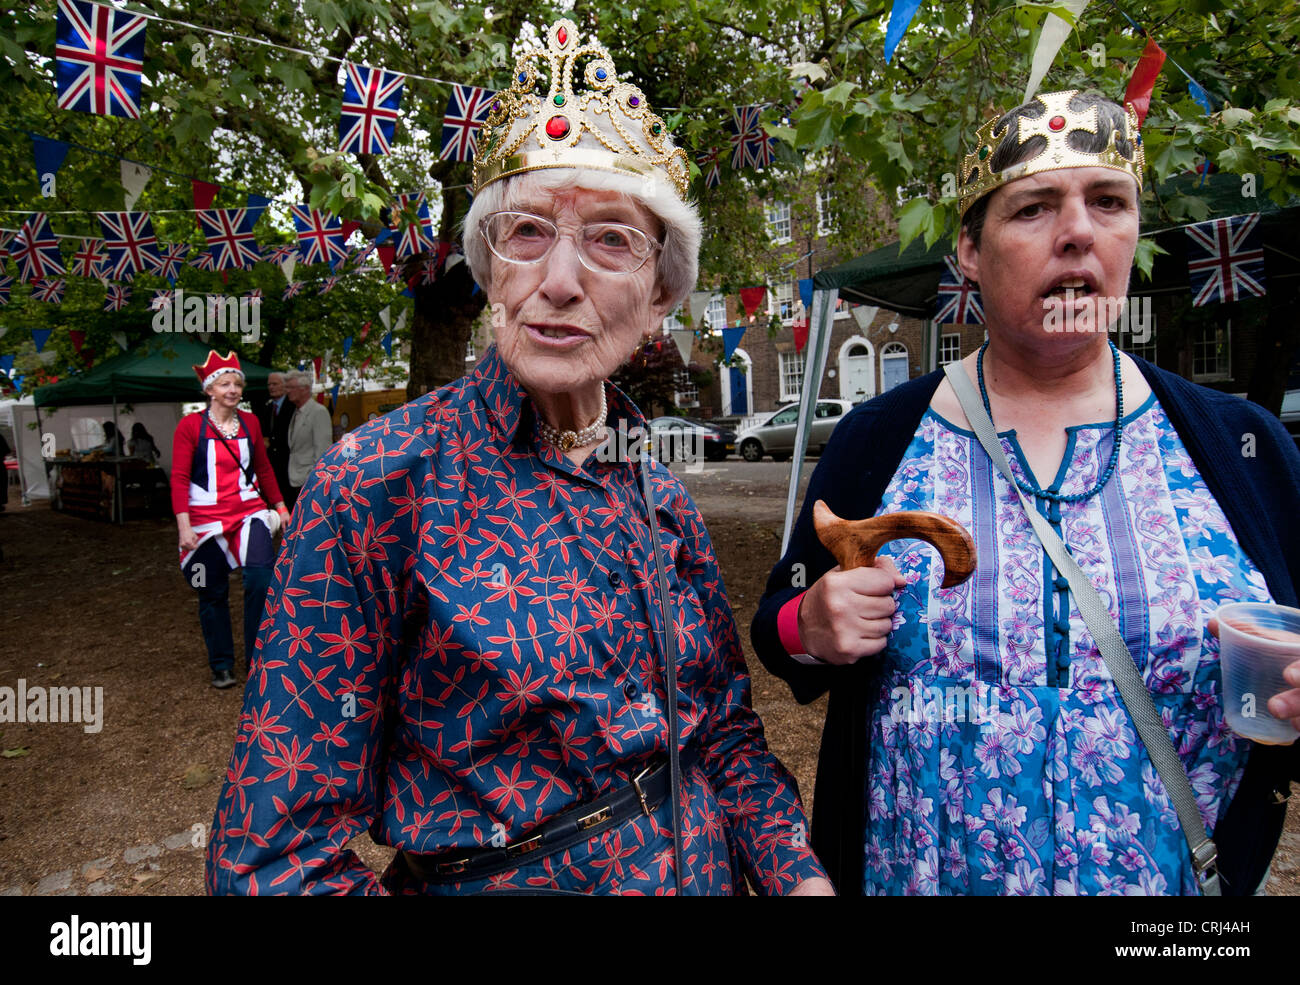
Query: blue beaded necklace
{"points": [[1030, 490]]}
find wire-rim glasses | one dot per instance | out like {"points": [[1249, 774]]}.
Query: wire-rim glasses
{"points": [[603, 247]]}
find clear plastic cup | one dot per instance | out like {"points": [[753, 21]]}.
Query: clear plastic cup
{"points": [[1257, 641]]}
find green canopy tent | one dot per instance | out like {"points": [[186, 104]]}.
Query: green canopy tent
{"points": [[158, 370]]}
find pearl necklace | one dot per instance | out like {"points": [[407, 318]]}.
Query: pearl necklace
{"points": [[566, 440], [1117, 428], [227, 430]]}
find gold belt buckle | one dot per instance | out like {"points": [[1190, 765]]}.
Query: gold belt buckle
{"points": [[524, 847], [452, 868], [636, 785], [594, 818]]}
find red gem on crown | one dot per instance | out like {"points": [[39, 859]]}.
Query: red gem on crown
{"points": [[1056, 123], [562, 36], [557, 128]]}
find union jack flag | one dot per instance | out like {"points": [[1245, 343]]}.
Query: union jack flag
{"points": [[204, 261], [50, 291], [429, 270], [131, 244], [711, 165], [318, 239], [291, 289], [467, 111], [357, 255], [278, 254], [414, 228], [100, 54], [116, 297], [4, 247], [36, 249], [327, 285], [86, 261], [959, 299], [230, 237], [254, 296], [6, 282], [161, 299], [750, 144], [170, 260], [1225, 261], [370, 100]]}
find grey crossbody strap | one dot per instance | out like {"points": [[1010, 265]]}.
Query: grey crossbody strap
{"points": [[1124, 672]]}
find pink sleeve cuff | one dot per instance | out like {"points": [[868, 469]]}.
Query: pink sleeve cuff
{"points": [[787, 625]]}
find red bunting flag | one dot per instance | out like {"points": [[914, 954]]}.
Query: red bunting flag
{"points": [[204, 194], [387, 253], [78, 338], [800, 335], [751, 298], [316, 362], [365, 330], [1144, 79]]}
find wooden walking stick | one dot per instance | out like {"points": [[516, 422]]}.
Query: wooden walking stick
{"points": [[854, 543]]}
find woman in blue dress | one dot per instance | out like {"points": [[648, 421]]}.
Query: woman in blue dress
{"points": [[981, 747]]}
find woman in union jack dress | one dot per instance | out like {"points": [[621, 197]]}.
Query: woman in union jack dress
{"points": [[222, 488]]}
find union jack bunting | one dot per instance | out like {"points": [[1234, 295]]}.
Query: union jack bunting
{"points": [[116, 298], [131, 244], [6, 282], [467, 111], [959, 299], [370, 100], [319, 240], [230, 237], [414, 227], [429, 271], [100, 54], [170, 260], [327, 285], [711, 167], [750, 144], [278, 254], [88, 258], [1225, 261], [254, 296], [291, 289], [35, 249], [161, 299], [204, 261], [50, 291], [396, 274]]}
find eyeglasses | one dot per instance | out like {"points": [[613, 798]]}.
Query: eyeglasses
{"points": [[603, 247]]}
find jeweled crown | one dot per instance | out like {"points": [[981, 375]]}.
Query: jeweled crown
{"points": [[609, 126], [1055, 123]]}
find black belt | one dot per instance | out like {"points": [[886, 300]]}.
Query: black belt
{"points": [[643, 795]]}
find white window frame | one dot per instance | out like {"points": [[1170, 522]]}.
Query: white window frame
{"points": [[689, 394], [790, 369], [826, 222], [1222, 368], [715, 315], [471, 352], [673, 321], [893, 350], [949, 340], [779, 228], [784, 294]]}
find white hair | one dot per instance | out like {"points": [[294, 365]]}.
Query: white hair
{"points": [[678, 262], [295, 376]]}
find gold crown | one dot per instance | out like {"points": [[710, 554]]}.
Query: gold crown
{"points": [[608, 127], [1056, 123]]}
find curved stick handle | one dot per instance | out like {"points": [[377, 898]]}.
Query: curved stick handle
{"points": [[854, 543]]}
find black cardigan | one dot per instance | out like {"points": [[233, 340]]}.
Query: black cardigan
{"points": [[1259, 494]]}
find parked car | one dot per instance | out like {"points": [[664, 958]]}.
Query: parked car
{"points": [[1291, 414], [675, 435], [775, 436]]}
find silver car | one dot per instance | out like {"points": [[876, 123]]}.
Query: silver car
{"points": [[775, 437]]}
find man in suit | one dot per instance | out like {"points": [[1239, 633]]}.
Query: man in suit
{"points": [[274, 418], [310, 430]]}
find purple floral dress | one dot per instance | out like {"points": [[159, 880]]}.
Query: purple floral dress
{"points": [[1003, 761]]}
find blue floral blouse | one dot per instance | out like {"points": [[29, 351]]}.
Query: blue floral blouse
{"points": [[1003, 761]]}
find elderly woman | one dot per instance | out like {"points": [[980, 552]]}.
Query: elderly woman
{"points": [[975, 740], [465, 650], [227, 507]]}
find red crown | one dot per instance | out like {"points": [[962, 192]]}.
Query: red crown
{"points": [[215, 365]]}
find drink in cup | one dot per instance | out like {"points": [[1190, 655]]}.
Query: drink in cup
{"points": [[1257, 641]]}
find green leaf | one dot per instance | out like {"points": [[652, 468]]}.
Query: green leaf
{"points": [[916, 217], [816, 130], [813, 71], [840, 93], [1147, 251], [1234, 115]]}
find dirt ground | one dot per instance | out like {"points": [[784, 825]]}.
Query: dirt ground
{"points": [[123, 811]]}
